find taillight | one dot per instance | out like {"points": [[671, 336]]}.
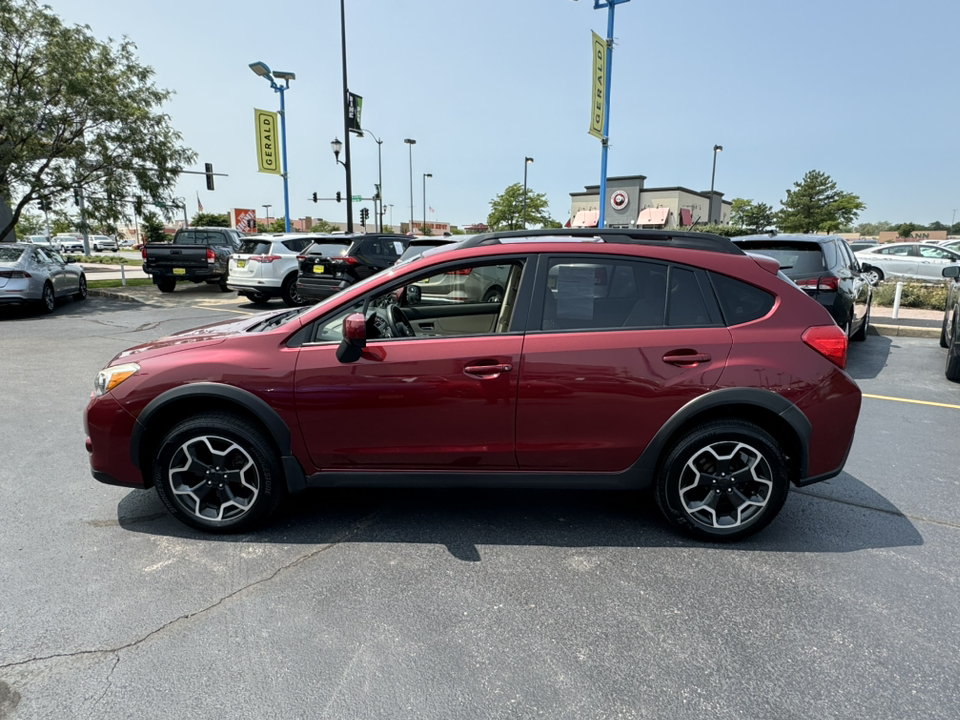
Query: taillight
{"points": [[266, 258], [348, 260], [830, 341], [301, 258], [14, 274], [211, 255], [461, 271], [818, 283], [143, 252]]}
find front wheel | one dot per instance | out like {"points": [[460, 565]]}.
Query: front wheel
{"points": [[724, 480], [218, 472], [291, 297], [222, 284]]}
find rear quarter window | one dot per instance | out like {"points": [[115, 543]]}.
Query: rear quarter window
{"points": [[739, 301]]}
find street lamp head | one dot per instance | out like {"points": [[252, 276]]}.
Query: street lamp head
{"points": [[528, 160], [409, 141], [285, 75], [260, 68], [718, 148], [426, 175], [336, 146]]}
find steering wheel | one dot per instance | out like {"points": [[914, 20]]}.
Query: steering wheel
{"points": [[398, 322]]}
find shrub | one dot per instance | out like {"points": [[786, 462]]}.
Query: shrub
{"points": [[915, 295]]}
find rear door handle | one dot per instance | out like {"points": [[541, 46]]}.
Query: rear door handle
{"points": [[487, 370], [676, 358]]}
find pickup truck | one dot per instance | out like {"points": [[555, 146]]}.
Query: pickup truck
{"points": [[196, 255]]}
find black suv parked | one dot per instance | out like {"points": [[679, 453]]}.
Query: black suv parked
{"points": [[826, 269], [337, 261]]}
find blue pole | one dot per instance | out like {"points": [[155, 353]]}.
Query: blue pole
{"points": [[283, 143], [601, 219]]}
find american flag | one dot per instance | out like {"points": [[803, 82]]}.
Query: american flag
{"points": [[199, 204], [431, 211]]}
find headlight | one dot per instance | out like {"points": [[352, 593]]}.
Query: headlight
{"points": [[110, 377]]}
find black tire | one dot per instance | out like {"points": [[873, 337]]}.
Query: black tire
{"points": [[943, 330], [166, 284], [81, 293], [494, 294], [952, 369], [861, 334], [720, 451], [258, 298], [873, 275], [48, 300], [289, 294], [222, 283], [234, 496]]}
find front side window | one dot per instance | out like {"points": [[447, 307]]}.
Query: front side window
{"points": [[936, 253]]}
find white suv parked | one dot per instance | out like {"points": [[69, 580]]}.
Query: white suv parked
{"points": [[266, 266], [99, 243]]}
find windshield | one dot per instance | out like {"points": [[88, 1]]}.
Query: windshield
{"points": [[330, 248], [254, 247]]}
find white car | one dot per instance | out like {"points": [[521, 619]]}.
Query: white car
{"points": [[99, 243], [68, 242], [41, 240], [914, 260], [266, 267]]}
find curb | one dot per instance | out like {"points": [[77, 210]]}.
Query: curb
{"points": [[113, 295], [904, 331]]}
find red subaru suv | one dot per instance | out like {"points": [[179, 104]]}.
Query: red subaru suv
{"points": [[612, 359]]}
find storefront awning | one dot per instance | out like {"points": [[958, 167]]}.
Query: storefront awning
{"points": [[585, 218], [655, 217]]}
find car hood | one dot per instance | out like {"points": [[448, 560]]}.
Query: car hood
{"points": [[206, 336]]}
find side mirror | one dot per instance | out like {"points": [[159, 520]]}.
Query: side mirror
{"points": [[354, 338], [413, 294], [951, 271]]}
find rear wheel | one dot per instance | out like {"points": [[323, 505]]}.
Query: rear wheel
{"points": [[943, 331], [952, 370], [289, 294], [493, 295], [218, 472], [166, 284], [48, 300], [222, 284], [258, 298], [81, 293], [724, 480]]}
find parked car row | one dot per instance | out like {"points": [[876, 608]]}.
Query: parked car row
{"points": [[565, 358]]}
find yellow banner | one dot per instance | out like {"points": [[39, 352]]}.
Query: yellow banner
{"points": [[268, 142], [599, 86]]}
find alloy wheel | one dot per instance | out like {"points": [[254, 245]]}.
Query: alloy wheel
{"points": [[214, 478]]}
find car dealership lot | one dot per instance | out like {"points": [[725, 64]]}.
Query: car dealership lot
{"points": [[417, 603]]}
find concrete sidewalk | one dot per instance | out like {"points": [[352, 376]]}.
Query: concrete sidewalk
{"points": [[96, 271], [911, 322]]}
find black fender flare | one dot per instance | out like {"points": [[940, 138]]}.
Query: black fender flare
{"points": [[274, 424], [764, 399]]}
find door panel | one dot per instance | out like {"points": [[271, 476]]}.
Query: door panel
{"points": [[592, 401], [409, 404]]}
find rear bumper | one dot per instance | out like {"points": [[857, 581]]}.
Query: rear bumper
{"points": [[190, 274], [264, 286], [317, 289]]}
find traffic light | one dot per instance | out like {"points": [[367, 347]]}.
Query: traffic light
{"points": [[208, 169], [364, 214], [314, 197], [338, 196], [41, 205]]}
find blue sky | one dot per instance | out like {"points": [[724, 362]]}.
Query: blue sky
{"points": [[863, 90]]}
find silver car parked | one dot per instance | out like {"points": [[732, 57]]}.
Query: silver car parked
{"points": [[914, 260], [30, 274]]}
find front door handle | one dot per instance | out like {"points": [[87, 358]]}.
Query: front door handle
{"points": [[487, 370], [685, 358]]}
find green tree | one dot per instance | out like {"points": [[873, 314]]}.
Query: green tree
{"points": [[876, 228], [210, 220], [936, 225], [907, 229], [816, 204], [30, 224], [506, 209], [750, 216], [151, 225], [78, 113], [323, 227], [456, 231], [424, 230]]}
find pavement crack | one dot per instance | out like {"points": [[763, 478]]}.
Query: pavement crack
{"points": [[895, 512], [108, 684], [355, 529]]}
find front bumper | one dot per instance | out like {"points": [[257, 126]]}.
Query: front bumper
{"points": [[109, 428]]}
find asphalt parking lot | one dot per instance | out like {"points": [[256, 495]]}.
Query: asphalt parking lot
{"points": [[450, 604]]}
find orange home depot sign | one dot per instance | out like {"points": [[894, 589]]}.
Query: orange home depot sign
{"points": [[268, 144], [244, 220]]}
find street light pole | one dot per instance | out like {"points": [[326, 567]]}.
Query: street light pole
{"points": [[411, 143], [379, 197], [267, 210], [526, 162], [713, 175], [346, 119], [425, 176], [261, 69], [604, 141]]}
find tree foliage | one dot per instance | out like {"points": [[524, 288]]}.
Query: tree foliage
{"points": [[506, 209], [907, 229], [78, 113], [816, 204], [210, 220], [323, 227], [875, 228], [151, 225], [750, 216]]}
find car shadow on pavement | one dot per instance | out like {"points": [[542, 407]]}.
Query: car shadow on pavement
{"points": [[66, 306], [866, 360], [848, 518]]}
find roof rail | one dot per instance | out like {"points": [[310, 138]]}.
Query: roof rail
{"points": [[688, 240]]}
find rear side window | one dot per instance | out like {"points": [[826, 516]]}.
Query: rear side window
{"points": [[199, 237], [294, 245], [10, 254], [797, 259], [685, 304], [739, 301]]}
